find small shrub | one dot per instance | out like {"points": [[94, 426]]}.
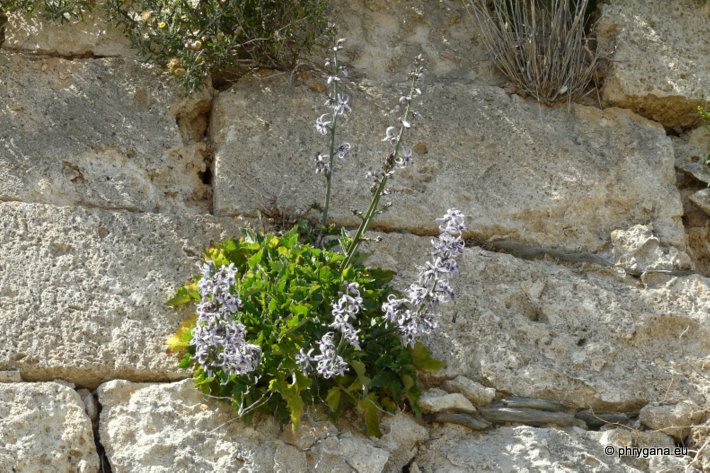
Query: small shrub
{"points": [[540, 45], [57, 10], [195, 38], [287, 321]]}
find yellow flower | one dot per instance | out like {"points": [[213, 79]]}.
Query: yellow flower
{"points": [[162, 25]]}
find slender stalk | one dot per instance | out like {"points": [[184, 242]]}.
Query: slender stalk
{"points": [[331, 151], [389, 164]]}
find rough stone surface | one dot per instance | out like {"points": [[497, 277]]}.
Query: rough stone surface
{"points": [[82, 291], [127, 153], [456, 450], [638, 250], [587, 338], [438, 400], [674, 420], [10, 376], [658, 62], [383, 37], [43, 427], [473, 144], [630, 438], [691, 150], [94, 36], [401, 437], [702, 200], [173, 427], [478, 394]]}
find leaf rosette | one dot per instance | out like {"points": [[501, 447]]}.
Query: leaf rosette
{"points": [[284, 297]]}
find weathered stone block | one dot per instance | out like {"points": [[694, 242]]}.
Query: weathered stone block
{"points": [[43, 427], [674, 420], [100, 133], [383, 38], [585, 338], [82, 291], [94, 36], [523, 448], [540, 176], [174, 427], [658, 58]]}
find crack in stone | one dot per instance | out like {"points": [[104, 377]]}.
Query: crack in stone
{"points": [[104, 463], [39, 53]]}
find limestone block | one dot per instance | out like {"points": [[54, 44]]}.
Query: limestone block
{"points": [[624, 438], [99, 133], [637, 250], [82, 291], [541, 176], [173, 427], [438, 400], [401, 437], [10, 376], [478, 394], [702, 200], [94, 36], [43, 427], [691, 151], [456, 449], [383, 37], [584, 338], [346, 453], [658, 58], [674, 420]]}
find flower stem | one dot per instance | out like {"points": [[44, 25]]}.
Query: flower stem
{"points": [[389, 165], [331, 151]]}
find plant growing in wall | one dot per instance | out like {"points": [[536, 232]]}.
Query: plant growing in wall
{"points": [[195, 38], [284, 321], [540, 45]]}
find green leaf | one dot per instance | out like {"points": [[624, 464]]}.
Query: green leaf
{"points": [[179, 342], [291, 394], [382, 276], [256, 259], [389, 380], [368, 408], [299, 309], [360, 369], [185, 361], [333, 399], [181, 297], [407, 382], [423, 360], [290, 238], [413, 398]]}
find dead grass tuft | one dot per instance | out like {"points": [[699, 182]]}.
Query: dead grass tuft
{"points": [[540, 45]]}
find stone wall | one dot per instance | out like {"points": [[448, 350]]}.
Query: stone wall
{"points": [[584, 311]]}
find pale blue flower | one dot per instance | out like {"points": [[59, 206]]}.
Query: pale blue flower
{"points": [[322, 124]]}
